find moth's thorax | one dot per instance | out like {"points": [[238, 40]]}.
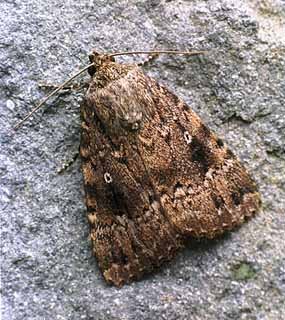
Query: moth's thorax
{"points": [[120, 96], [105, 69]]}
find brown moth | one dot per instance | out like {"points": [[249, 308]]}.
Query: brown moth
{"points": [[154, 174]]}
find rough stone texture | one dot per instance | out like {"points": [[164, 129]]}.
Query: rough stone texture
{"points": [[238, 88]]}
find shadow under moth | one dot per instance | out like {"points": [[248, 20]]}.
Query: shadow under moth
{"points": [[154, 174]]}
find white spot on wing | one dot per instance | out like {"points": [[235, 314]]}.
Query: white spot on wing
{"points": [[135, 126], [107, 177], [187, 137]]}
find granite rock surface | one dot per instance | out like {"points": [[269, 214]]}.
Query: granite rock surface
{"points": [[238, 88]]}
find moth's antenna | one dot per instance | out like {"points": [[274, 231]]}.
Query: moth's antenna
{"points": [[189, 53], [50, 95]]}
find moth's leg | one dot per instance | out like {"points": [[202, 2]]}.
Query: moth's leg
{"points": [[71, 87], [68, 163], [150, 58]]}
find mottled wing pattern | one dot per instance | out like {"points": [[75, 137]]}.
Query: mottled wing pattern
{"points": [[129, 233], [148, 190], [203, 188]]}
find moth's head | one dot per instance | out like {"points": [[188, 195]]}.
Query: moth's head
{"points": [[98, 59]]}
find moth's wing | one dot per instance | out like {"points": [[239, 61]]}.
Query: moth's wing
{"points": [[129, 233], [203, 188], [145, 192]]}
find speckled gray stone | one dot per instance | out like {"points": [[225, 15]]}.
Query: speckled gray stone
{"points": [[238, 88]]}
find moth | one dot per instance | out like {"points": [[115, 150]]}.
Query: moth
{"points": [[154, 174]]}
